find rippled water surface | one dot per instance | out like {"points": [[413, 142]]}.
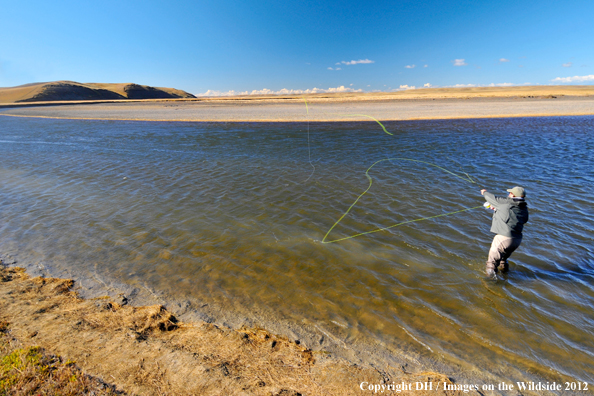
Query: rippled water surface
{"points": [[233, 215]]}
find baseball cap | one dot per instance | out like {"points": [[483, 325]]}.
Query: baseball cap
{"points": [[517, 191]]}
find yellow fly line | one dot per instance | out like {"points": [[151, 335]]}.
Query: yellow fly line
{"points": [[467, 179], [398, 224]]}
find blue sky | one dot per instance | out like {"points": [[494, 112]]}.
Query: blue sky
{"points": [[245, 46]]}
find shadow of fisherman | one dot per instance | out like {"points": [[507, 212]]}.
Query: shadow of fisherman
{"points": [[509, 216]]}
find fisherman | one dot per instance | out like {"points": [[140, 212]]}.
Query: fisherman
{"points": [[510, 215]]}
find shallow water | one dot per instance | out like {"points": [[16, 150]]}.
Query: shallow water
{"points": [[234, 214]]}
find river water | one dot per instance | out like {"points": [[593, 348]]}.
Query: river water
{"points": [[233, 216]]}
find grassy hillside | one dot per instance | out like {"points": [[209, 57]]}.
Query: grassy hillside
{"points": [[70, 90]]}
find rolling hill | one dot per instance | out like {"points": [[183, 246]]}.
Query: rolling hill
{"points": [[71, 91]]}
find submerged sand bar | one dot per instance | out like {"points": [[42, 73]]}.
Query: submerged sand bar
{"points": [[410, 105]]}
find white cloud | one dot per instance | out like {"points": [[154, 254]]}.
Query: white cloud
{"points": [[503, 60], [459, 62], [342, 88], [283, 91], [338, 68], [568, 64], [426, 66], [219, 93], [463, 85], [264, 91], [330, 68], [338, 63], [428, 85], [410, 66], [574, 79], [407, 87], [501, 85], [354, 62]]}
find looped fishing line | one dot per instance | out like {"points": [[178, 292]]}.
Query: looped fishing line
{"points": [[467, 178]]}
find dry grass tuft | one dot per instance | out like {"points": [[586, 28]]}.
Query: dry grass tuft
{"points": [[54, 285]]}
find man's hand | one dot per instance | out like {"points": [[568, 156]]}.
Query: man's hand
{"points": [[483, 191]]}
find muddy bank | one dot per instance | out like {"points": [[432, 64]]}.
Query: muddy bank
{"points": [[146, 350]]}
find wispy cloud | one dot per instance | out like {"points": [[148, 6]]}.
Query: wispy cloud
{"points": [[407, 87], [459, 62], [355, 62], [503, 60], [574, 79], [568, 64], [463, 85], [428, 85], [338, 68], [410, 66], [283, 91], [426, 66], [501, 85]]}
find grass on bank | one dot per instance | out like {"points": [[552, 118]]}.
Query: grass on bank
{"points": [[32, 371]]}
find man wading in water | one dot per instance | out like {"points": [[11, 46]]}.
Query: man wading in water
{"points": [[510, 215]]}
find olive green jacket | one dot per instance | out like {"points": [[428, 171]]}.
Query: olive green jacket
{"points": [[510, 216]]}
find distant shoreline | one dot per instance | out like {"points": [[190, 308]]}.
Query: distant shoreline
{"points": [[22, 95], [318, 109]]}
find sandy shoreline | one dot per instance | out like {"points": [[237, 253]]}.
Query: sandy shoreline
{"points": [[317, 110]]}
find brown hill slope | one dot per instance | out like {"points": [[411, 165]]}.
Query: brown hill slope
{"points": [[70, 90]]}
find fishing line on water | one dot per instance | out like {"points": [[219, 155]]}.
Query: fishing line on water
{"points": [[466, 178]]}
